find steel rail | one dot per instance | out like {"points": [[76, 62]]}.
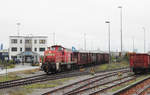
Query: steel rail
{"points": [[79, 82], [125, 89], [102, 90], [43, 78], [97, 85]]}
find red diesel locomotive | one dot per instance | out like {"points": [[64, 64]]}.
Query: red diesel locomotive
{"points": [[58, 58]]}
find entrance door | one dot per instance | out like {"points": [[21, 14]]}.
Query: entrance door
{"points": [[28, 59]]}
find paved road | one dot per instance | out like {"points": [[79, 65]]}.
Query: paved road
{"points": [[19, 67]]}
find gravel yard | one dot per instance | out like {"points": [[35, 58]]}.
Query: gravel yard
{"points": [[40, 88], [36, 89]]}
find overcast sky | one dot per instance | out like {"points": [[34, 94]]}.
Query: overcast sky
{"points": [[70, 19]]}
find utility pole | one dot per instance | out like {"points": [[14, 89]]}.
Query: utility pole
{"points": [[5, 62], [91, 45], [84, 41], [108, 22], [54, 38], [120, 7], [6, 70], [144, 39], [133, 43]]}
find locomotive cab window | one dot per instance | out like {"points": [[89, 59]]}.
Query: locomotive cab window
{"points": [[60, 49], [52, 48], [63, 53]]}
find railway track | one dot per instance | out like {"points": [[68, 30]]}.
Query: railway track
{"points": [[145, 90], [101, 86], [36, 79], [27, 78], [43, 78], [139, 88], [77, 87], [101, 90]]}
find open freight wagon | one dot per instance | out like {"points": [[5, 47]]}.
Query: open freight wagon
{"points": [[140, 62]]}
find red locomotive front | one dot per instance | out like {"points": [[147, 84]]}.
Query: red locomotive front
{"points": [[56, 58]]}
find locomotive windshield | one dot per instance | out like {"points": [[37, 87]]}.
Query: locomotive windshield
{"points": [[56, 48], [52, 48], [60, 48]]}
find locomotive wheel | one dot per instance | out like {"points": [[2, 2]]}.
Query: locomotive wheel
{"points": [[135, 71], [69, 66], [59, 70], [47, 70]]}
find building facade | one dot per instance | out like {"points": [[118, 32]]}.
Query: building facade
{"points": [[27, 48]]}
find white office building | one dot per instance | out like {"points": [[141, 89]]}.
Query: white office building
{"points": [[27, 48]]}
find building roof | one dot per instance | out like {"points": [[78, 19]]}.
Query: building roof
{"points": [[91, 51]]}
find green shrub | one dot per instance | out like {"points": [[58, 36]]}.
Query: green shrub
{"points": [[1, 62], [10, 62], [11, 66]]}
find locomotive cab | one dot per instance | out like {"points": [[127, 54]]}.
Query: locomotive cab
{"points": [[54, 58]]}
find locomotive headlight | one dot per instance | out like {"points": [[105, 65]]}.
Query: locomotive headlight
{"points": [[51, 54]]}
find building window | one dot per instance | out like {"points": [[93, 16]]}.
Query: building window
{"points": [[28, 41], [53, 48], [35, 49], [60, 48], [41, 49], [42, 41], [14, 49], [20, 49], [35, 41], [13, 41], [14, 57], [20, 41], [28, 49]]}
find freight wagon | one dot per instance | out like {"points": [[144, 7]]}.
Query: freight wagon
{"points": [[58, 58], [139, 62]]}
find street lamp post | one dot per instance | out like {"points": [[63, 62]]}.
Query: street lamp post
{"points": [[84, 41], [54, 38], [108, 22], [144, 39], [5, 62], [120, 7], [133, 43]]}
